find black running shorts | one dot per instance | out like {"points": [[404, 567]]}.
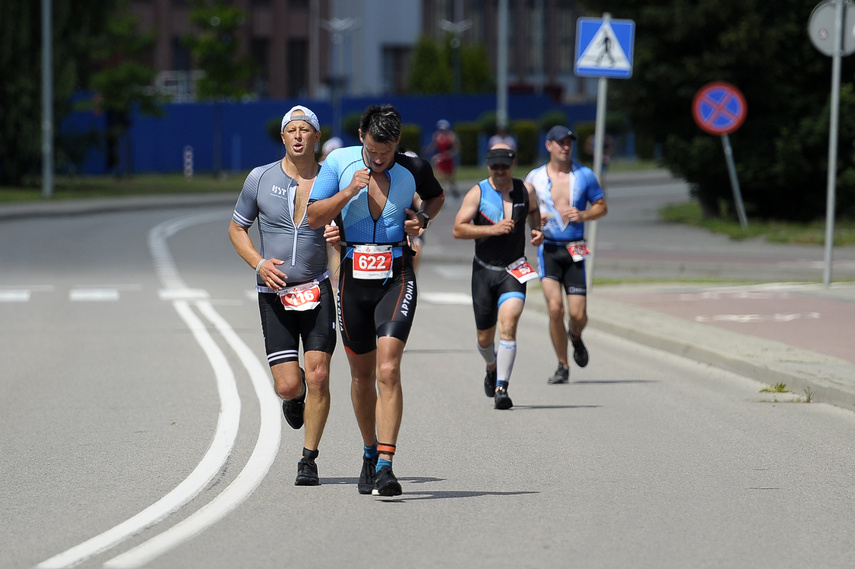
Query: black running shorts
{"points": [[283, 329], [490, 287], [556, 263], [371, 308]]}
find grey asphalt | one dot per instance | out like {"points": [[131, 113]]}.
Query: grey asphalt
{"points": [[786, 328]]}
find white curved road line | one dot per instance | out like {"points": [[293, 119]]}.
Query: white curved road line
{"points": [[212, 462], [227, 423], [244, 484]]}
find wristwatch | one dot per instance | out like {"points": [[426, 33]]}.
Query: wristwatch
{"points": [[427, 219]]}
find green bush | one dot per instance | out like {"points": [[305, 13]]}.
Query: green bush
{"points": [[273, 129], [551, 118], [350, 123], [488, 123], [584, 130], [411, 136], [528, 141], [468, 133]]}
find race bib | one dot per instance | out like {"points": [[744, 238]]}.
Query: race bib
{"points": [[578, 250], [301, 297], [521, 270], [372, 261]]}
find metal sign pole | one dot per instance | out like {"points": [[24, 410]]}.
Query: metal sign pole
{"points": [[599, 136], [832, 140], [47, 100], [734, 181]]}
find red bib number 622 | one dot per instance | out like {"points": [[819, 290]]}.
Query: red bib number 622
{"points": [[372, 261]]}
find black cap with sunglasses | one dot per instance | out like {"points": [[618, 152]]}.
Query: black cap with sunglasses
{"points": [[501, 157]]}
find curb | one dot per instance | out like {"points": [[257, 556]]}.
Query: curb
{"points": [[825, 378]]}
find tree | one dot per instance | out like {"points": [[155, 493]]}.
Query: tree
{"points": [[431, 68], [475, 70], [763, 49], [74, 26], [430, 73], [122, 81], [215, 48]]}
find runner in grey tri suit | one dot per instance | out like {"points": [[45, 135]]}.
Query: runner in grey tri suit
{"points": [[295, 296]]}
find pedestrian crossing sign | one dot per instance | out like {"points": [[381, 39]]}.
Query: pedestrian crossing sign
{"points": [[604, 48]]}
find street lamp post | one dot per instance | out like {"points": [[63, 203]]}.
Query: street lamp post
{"points": [[338, 26], [47, 100], [456, 29], [502, 67]]}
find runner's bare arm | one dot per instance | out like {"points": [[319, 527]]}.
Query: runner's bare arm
{"points": [[321, 212], [242, 242]]}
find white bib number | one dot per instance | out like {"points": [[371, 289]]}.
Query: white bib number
{"points": [[521, 270], [372, 261], [301, 297], [578, 250]]}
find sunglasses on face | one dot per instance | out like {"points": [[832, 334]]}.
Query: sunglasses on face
{"points": [[499, 167]]}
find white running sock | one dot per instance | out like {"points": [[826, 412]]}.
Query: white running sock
{"points": [[505, 360], [488, 354]]}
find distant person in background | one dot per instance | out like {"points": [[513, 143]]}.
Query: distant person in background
{"points": [[609, 148], [416, 241], [564, 189], [329, 146], [332, 252], [446, 146], [502, 136]]}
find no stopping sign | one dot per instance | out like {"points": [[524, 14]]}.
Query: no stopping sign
{"points": [[719, 108]]}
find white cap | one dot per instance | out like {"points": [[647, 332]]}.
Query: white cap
{"points": [[332, 144], [300, 113]]}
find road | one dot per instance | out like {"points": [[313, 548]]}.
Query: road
{"points": [[139, 429]]}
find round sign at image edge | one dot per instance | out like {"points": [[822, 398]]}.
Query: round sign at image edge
{"points": [[728, 90]]}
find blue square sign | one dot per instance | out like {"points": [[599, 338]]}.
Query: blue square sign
{"points": [[604, 48]]}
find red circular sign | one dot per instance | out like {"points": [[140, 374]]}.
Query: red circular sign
{"points": [[719, 108]]}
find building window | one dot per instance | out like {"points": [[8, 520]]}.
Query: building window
{"points": [[298, 68], [181, 59], [566, 35], [260, 49], [396, 69]]}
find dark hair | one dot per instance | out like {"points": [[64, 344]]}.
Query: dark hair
{"points": [[382, 122]]}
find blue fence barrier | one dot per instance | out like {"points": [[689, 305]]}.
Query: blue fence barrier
{"points": [[232, 136]]}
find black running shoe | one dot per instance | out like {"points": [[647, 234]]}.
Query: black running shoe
{"points": [[580, 353], [293, 408], [307, 473], [490, 383], [366, 477], [503, 401], [386, 484], [561, 375]]}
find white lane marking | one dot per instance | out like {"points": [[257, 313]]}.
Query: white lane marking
{"points": [[245, 483], [454, 272], [456, 298], [229, 409], [93, 294], [183, 294], [752, 318], [217, 454], [163, 262], [14, 295]]}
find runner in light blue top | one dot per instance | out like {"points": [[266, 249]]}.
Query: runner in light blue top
{"points": [[564, 190], [369, 190]]}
